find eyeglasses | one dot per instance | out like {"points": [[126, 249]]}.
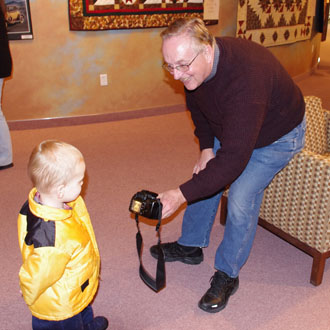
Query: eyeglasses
{"points": [[181, 68]]}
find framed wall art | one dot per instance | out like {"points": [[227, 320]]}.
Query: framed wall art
{"points": [[18, 20], [93, 15]]}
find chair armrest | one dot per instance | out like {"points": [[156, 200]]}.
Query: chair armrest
{"points": [[327, 121], [298, 200]]}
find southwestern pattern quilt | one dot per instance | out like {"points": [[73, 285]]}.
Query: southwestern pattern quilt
{"points": [[129, 14], [275, 22]]}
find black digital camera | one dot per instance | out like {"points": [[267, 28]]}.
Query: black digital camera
{"points": [[146, 204]]}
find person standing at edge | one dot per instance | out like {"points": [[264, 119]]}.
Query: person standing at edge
{"points": [[6, 156], [249, 120]]}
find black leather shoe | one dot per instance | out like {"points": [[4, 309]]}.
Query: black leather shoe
{"points": [[3, 167], [175, 252], [98, 323], [216, 297]]}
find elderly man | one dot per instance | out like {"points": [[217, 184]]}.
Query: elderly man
{"points": [[249, 119]]}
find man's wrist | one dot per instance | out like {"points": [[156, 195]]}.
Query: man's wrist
{"points": [[181, 196]]}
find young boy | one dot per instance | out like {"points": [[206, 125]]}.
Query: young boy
{"points": [[61, 262]]}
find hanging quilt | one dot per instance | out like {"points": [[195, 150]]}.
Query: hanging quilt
{"points": [[129, 14], [275, 22]]}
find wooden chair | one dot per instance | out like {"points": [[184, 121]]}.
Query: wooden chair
{"points": [[296, 205]]}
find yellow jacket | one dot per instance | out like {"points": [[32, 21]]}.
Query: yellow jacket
{"points": [[61, 261]]}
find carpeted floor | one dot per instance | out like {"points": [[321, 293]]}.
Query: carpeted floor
{"points": [[157, 153]]}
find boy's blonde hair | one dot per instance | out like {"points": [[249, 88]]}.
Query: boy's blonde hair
{"points": [[191, 27], [52, 163]]}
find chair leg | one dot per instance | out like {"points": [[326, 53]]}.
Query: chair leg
{"points": [[223, 210], [318, 268]]}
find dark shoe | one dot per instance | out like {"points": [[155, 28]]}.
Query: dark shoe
{"points": [[176, 252], [216, 297], [98, 323], [6, 166]]}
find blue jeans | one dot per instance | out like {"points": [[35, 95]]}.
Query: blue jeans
{"points": [[77, 322], [244, 200]]}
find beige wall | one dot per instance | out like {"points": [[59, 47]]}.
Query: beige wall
{"points": [[57, 73]]}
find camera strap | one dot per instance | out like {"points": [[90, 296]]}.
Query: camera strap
{"points": [[158, 283]]}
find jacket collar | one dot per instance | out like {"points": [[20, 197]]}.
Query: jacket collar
{"points": [[47, 212]]}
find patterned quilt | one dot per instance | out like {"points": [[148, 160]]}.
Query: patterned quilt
{"points": [[275, 22]]}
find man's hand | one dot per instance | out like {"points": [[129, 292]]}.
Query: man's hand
{"points": [[205, 156], [171, 200]]}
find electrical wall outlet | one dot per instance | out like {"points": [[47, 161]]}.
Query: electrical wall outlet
{"points": [[103, 79]]}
